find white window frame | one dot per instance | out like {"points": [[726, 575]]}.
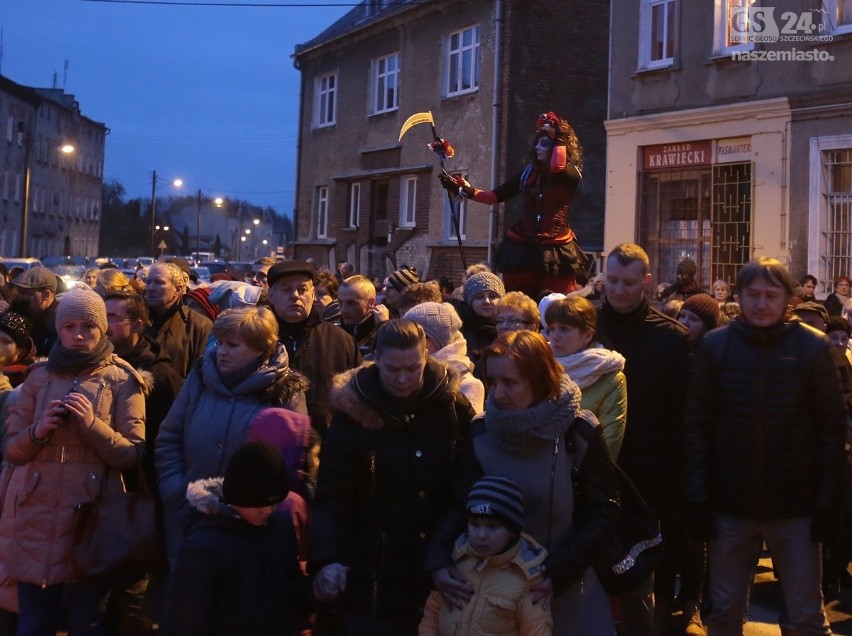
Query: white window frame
{"points": [[355, 204], [461, 202], [382, 78], [832, 16], [408, 201], [322, 212], [455, 60], [646, 45], [726, 14], [818, 197], [325, 92]]}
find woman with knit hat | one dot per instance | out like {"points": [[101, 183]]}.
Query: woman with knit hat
{"points": [[444, 342], [17, 350], [540, 250], [699, 313], [77, 422]]}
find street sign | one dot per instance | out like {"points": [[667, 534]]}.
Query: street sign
{"points": [[162, 245]]}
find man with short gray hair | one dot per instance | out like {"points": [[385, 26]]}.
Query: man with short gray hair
{"points": [[181, 333]]}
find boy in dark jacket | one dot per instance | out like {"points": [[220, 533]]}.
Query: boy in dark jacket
{"points": [[237, 570]]}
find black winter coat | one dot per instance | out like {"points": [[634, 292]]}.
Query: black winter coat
{"points": [[766, 422], [235, 578], [318, 350], [657, 372], [387, 470]]}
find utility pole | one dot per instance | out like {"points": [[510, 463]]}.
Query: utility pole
{"points": [[153, 207], [198, 225]]}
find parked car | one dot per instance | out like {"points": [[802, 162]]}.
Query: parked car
{"points": [[53, 261], [215, 267], [13, 261], [145, 260], [70, 275], [202, 273]]}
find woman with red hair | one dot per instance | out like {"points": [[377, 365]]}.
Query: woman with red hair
{"points": [[539, 251]]}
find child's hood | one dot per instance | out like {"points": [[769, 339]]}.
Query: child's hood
{"points": [[205, 495]]}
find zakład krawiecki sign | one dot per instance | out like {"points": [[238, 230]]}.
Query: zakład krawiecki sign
{"points": [[687, 154]]}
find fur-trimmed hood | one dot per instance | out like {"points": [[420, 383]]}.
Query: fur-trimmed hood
{"points": [[359, 394]]}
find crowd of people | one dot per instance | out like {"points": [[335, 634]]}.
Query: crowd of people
{"points": [[413, 457]]}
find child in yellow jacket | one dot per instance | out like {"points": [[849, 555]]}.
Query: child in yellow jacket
{"points": [[501, 565]]}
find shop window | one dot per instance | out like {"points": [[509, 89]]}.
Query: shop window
{"points": [[703, 214]]}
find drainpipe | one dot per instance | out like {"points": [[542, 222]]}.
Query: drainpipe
{"points": [[298, 159], [495, 122]]}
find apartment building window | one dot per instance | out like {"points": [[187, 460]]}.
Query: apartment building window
{"points": [[322, 212], [460, 209], [830, 225], [326, 100], [734, 27], [657, 33], [463, 61], [385, 84], [10, 129], [702, 213], [838, 16], [354, 205], [408, 201]]}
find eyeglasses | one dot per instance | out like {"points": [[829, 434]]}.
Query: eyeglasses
{"points": [[117, 320], [515, 323], [259, 276]]}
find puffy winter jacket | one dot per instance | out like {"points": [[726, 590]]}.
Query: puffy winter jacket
{"points": [[766, 422]]}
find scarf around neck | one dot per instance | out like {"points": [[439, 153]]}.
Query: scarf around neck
{"points": [[589, 365], [62, 360], [527, 428]]}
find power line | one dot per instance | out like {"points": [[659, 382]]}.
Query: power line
{"points": [[254, 5]]}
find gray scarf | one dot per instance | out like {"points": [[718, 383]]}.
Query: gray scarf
{"points": [[527, 428]]}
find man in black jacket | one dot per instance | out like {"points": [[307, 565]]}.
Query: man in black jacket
{"points": [[656, 351], [766, 430]]}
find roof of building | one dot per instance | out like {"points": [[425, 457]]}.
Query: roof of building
{"points": [[360, 16]]}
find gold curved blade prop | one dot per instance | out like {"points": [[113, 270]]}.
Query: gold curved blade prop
{"points": [[414, 120]]}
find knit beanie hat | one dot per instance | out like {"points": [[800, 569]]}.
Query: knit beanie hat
{"points": [[499, 498], [256, 476], [480, 282], [82, 303], [18, 328], [688, 266], [440, 321], [705, 307], [402, 278]]}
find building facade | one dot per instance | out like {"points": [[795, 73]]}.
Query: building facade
{"points": [[485, 69], [729, 135], [51, 197]]}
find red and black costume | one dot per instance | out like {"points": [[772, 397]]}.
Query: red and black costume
{"points": [[539, 252]]}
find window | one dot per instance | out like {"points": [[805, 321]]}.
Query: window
{"points": [[326, 100], [463, 61], [838, 16], [734, 25], [385, 85], [657, 33], [703, 214], [10, 129], [408, 202], [460, 209], [379, 199], [354, 205], [830, 225], [322, 212]]}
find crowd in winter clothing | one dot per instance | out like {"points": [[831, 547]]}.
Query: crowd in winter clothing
{"points": [[348, 456]]}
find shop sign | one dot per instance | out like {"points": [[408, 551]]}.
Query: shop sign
{"points": [[733, 150], [686, 154]]}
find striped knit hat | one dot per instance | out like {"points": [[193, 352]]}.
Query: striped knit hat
{"points": [[402, 278], [499, 498]]}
